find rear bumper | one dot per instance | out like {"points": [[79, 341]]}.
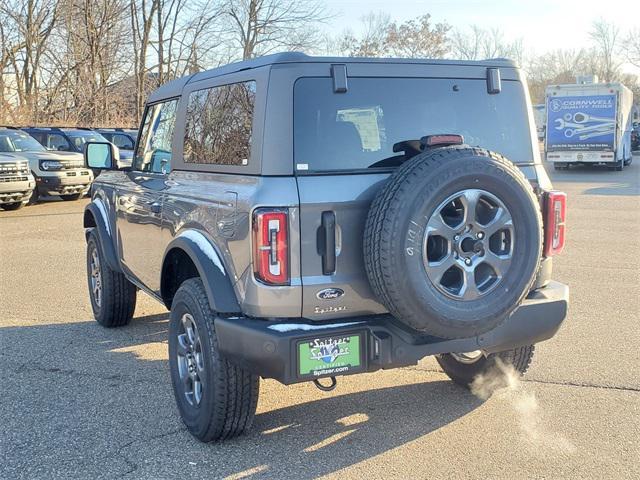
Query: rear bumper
{"points": [[581, 157], [269, 348]]}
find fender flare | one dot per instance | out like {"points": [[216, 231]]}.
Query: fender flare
{"points": [[100, 224], [204, 255]]}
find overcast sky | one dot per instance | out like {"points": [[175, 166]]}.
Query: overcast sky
{"points": [[542, 24]]}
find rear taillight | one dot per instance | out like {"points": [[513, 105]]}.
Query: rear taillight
{"points": [[555, 217], [271, 246]]}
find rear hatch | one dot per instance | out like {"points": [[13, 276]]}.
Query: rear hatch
{"points": [[343, 148]]}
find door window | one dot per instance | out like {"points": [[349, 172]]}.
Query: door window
{"points": [[55, 141], [154, 149], [218, 125]]}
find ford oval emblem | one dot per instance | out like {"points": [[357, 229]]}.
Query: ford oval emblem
{"points": [[330, 293]]}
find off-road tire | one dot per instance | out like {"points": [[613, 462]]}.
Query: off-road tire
{"points": [[464, 373], [12, 206], [394, 240], [118, 297], [229, 393], [71, 197]]}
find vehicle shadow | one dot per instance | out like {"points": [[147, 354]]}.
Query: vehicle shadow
{"points": [[325, 433], [322, 436]]}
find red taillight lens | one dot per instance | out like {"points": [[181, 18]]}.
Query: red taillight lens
{"points": [[271, 246], [555, 217]]}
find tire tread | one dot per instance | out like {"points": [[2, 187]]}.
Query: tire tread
{"points": [[236, 390], [118, 293]]}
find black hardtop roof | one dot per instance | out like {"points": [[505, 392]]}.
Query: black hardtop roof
{"points": [[58, 129], [174, 88]]}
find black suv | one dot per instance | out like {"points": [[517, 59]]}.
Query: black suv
{"points": [[305, 218], [123, 138]]}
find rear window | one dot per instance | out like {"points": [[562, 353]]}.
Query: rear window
{"points": [[357, 129]]}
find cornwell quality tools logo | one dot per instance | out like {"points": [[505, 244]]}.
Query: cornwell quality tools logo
{"points": [[328, 350], [581, 123]]}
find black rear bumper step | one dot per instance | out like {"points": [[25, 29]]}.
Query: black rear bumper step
{"points": [[268, 348]]}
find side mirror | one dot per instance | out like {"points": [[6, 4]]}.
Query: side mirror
{"points": [[102, 155]]}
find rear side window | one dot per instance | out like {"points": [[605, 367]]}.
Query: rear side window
{"points": [[154, 149], [218, 124], [122, 141], [357, 129]]}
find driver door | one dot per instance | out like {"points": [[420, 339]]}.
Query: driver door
{"points": [[140, 197]]}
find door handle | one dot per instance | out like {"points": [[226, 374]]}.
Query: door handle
{"points": [[155, 207], [327, 242]]}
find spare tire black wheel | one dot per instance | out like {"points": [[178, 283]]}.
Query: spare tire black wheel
{"points": [[453, 241]]}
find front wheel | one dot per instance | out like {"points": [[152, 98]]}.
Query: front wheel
{"points": [[463, 368], [113, 297], [216, 399]]}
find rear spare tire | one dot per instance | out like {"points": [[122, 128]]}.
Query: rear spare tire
{"points": [[453, 241]]}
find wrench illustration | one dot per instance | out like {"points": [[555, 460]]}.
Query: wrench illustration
{"points": [[597, 133], [593, 128], [561, 124], [580, 117]]}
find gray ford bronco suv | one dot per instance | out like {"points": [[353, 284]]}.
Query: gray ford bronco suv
{"points": [[305, 218]]}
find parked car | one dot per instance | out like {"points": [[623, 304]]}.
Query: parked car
{"points": [[305, 218], [16, 181], [123, 138], [56, 173], [69, 139]]}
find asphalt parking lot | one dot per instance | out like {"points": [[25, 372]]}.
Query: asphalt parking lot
{"points": [[81, 401]]}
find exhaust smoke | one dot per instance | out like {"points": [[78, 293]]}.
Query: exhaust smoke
{"points": [[504, 384]]}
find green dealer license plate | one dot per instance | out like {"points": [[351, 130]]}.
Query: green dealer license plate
{"points": [[329, 356]]}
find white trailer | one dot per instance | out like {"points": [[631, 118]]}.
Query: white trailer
{"points": [[588, 123]]}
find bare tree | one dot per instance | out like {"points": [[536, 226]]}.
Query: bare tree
{"points": [[606, 37], [142, 14], [381, 37], [633, 47], [33, 21], [187, 35], [555, 67], [478, 43], [257, 27], [373, 40], [10, 44], [94, 33]]}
